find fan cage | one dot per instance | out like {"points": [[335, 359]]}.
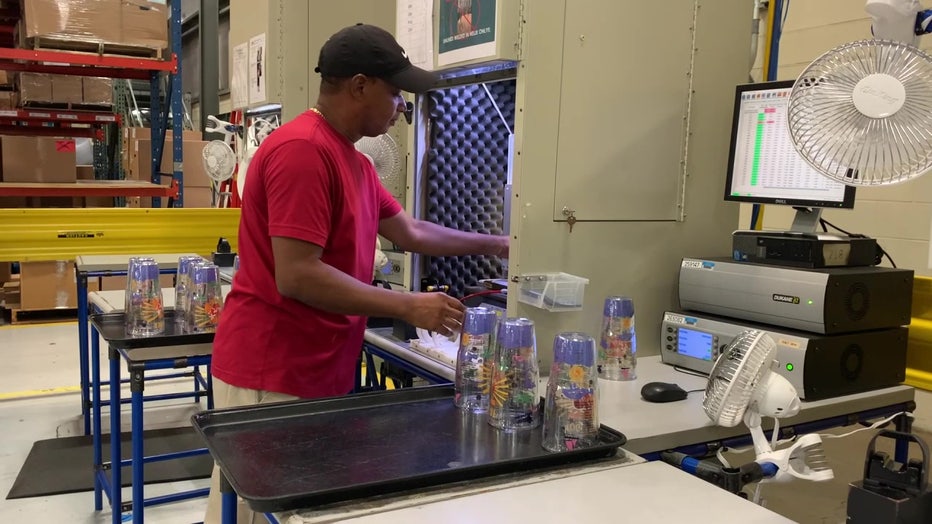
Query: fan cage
{"points": [[384, 154], [736, 374], [225, 157], [843, 144]]}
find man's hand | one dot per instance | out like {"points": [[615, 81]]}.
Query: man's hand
{"points": [[435, 312], [500, 246]]}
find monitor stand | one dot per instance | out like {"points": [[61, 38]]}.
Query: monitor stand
{"points": [[806, 219]]}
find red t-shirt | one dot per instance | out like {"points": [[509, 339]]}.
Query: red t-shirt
{"points": [[306, 182]]}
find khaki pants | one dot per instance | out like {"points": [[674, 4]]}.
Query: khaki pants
{"points": [[227, 396]]}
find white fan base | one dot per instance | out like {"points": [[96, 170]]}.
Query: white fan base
{"points": [[879, 95]]}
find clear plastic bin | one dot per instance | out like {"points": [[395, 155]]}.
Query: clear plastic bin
{"points": [[552, 291]]}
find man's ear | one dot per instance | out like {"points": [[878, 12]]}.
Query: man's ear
{"points": [[358, 84]]}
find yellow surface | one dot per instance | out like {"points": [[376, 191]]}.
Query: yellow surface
{"points": [[919, 349], [62, 234]]}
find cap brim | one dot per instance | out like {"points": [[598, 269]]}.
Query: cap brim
{"points": [[413, 80]]}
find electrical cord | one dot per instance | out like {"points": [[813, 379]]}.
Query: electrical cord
{"points": [[690, 372]]}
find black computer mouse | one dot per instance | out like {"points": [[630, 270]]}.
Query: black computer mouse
{"points": [[662, 392]]}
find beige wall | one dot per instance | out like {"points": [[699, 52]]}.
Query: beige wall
{"points": [[898, 216]]}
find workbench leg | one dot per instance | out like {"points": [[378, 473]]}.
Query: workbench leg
{"points": [[95, 409], [137, 379], [197, 384], [116, 481], [904, 424], [227, 501], [210, 388], [82, 349]]}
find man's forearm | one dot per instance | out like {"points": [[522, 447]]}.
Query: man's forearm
{"points": [[436, 240], [324, 287]]}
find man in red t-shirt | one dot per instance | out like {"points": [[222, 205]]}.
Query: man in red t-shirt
{"points": [[292, 327]]}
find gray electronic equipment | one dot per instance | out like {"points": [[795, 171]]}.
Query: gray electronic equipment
{"points": [[822, 300], [818, 366]]}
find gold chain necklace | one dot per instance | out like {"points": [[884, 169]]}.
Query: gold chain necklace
{"points": [[314, 109]]}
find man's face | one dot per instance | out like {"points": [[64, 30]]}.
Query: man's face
{"points": [[384, 104]]}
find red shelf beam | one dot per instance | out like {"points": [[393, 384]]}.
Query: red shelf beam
{"points": [[87, 189], [86, 64], [54, 122]]}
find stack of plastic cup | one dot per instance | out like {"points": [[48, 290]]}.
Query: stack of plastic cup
{"points": [[235, 269], [571, 418], [133, 262], [205, 299], [513, 400], [618, 348], [144, 313], [474, 360], [182, 285]]}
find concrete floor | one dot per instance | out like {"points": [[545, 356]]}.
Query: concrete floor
{"points": [[39, 400]]}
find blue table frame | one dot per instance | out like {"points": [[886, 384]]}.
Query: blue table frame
{"points": [[169, 357]]}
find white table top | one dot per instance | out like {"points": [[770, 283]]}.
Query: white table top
{"points": [[652, 427], [379, 505], [119, 262], [110, 301], [648, 492]]}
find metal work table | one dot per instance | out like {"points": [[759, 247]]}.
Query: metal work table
{"points": [[171, 350], [652, 427], [92, 266]]}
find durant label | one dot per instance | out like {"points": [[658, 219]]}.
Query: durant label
{"points": [[785, 298]]}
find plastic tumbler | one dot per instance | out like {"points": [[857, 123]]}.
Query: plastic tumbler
{"points": [[145, 314], [474, 360], [133, 262], [513, 400], [571, 417], [235, 269], [205, 300], [183, 284], [618, 348]]}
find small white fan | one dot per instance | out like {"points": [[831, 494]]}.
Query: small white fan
{"points": [[860, 113], [219, 160], [742, 386], [383, 152]]}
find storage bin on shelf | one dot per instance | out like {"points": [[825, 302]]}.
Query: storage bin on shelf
{"points": [[552, 291]]}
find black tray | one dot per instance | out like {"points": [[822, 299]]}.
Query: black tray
{"points": [[306, 453], [112, 328]]}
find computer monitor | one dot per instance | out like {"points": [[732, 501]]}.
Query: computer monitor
{"points": [[763, 165]]}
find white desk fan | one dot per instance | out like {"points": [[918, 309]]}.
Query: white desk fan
{"points": [[383, 152], [742, 386], [861, 114]]}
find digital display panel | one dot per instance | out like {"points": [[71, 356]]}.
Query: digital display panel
{"points": [[695, 344]]}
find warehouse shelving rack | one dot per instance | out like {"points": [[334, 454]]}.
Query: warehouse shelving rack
{"points": [[39, 122]]}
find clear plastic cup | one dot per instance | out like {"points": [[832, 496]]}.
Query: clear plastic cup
{"points": [[133, 262], [571, 418], [514, 403], [205, 299], [145, 313], [182, 285], [474, 360], [618, 348]]}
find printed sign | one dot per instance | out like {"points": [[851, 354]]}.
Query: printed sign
{"points": [[467, 30]]}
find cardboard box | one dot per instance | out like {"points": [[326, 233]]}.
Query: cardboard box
{"points": [[144, 24], [139, 163], [48, 285], [97, 91], [10, 295], [67, 89], [6, 272], [5, 78], [35, 87], [7, 100], [73, 20], [38, 159], [85, 173]]}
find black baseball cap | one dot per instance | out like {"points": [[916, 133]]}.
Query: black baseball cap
{"points": [[371, 51]]}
